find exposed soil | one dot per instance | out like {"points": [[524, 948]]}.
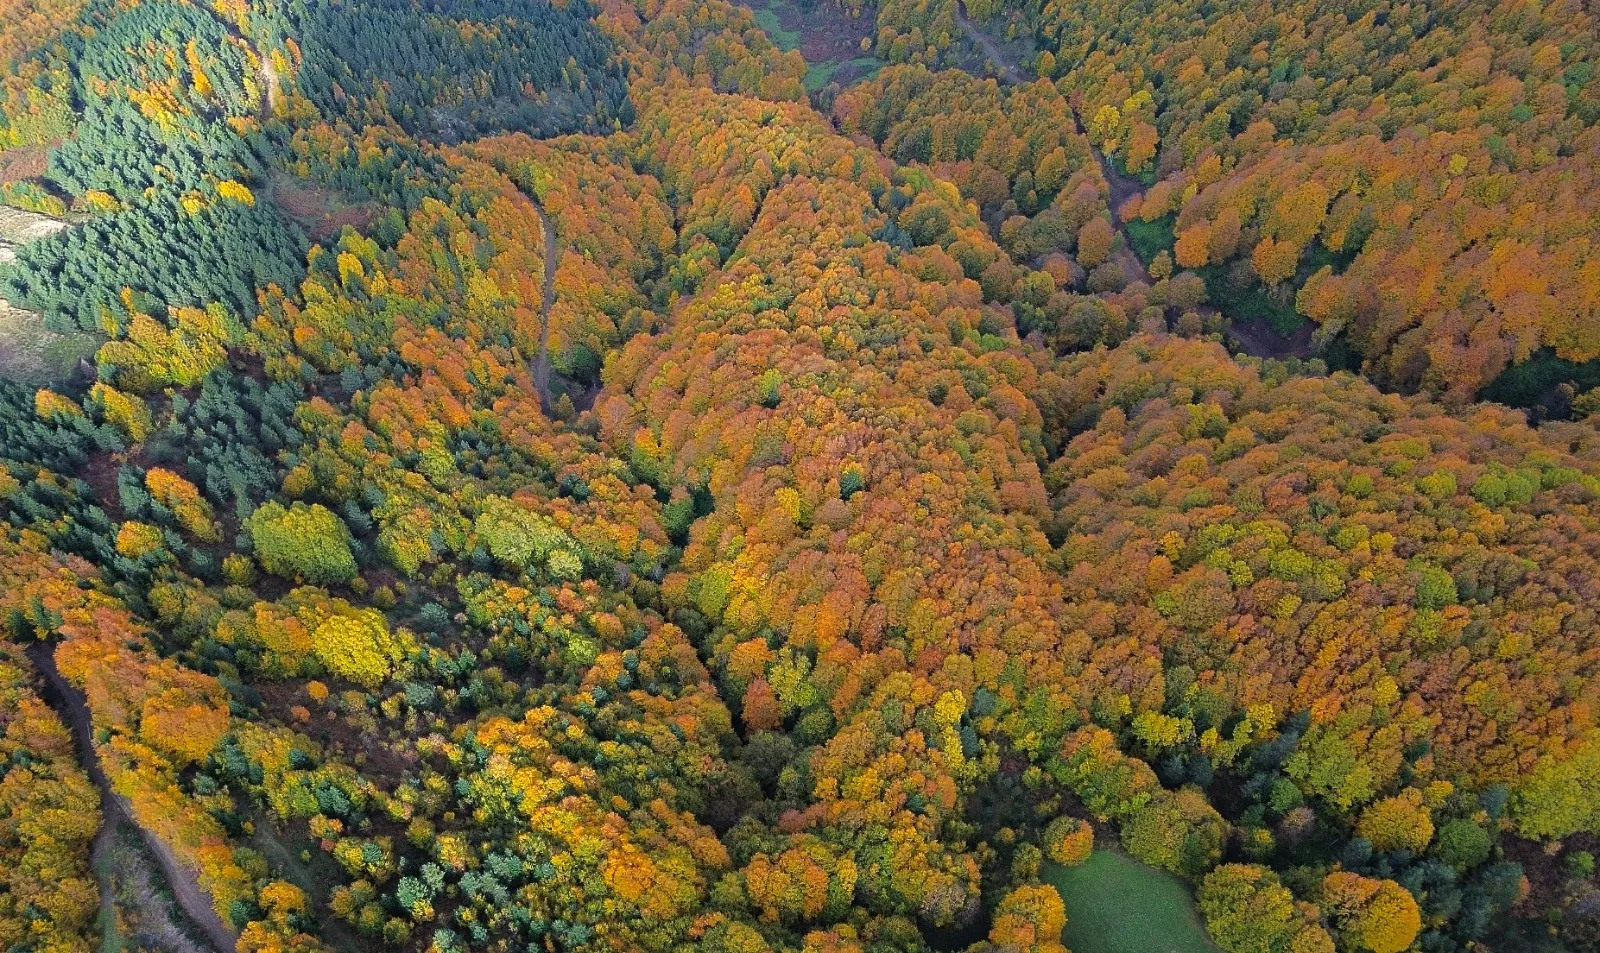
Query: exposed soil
{"points": [[541, 363], [21, 164], [266, 842], [339, 735], [69, 703], [1123, 187], [1010, 72], [1548, 880], [135, 912], [19, 227], [323, 213], [101, 475], [269, 80], [1260, 339], [824, 30], [825, 34]]}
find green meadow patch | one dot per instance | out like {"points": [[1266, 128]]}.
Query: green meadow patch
{"points": [[1117, 905]]}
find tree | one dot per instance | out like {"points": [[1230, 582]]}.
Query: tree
{"points": [[1193, 247], [1176, 831], [1068, 840], [1462, 844], [307, 543], [522, 539], [1095, 241], [1247, 910], [1379, 916], [1029, 920], [1561, 797], [1275, 260], [356, 645], [184, 500], [1399, 822], [49, 813]]}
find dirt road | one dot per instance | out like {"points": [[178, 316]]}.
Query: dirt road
{"points": [[1123, 187], [1010, 72], [1255, 339], [541, 364], [269, 79], [70, 704]]}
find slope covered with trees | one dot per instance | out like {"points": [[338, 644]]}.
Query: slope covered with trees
{"points": [[1411, 179], [885, 537]]}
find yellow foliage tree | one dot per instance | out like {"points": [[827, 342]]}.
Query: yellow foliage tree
{"points": [[1379, 916], [356, 645], [183, 725], [184, 500], [1275, 260], [126, 412], [1399, 822], [1030, 920], [1068, 841], [154, 356]]}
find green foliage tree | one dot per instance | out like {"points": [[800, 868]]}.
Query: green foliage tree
{"points": [[308, 543]]}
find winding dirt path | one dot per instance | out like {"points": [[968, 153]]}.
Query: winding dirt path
{"points": [[70, 704], [1255, 338], [1010, 72], [1123, 187], [541, 363], [265, 72]]}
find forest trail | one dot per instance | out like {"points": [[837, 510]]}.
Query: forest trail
{"points": [[541, 364], [20, 227], [70, 704], [24, 340], [269, 80], [266, 73], [1123, 187], [1256, 341], [1010, 72]]}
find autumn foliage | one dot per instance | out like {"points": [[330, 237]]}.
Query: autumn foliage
{"points": [[728, 526]]}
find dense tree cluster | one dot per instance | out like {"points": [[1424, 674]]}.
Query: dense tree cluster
{"points": [[1412, 180], [922, 32], [615, 241], [1013, 150], [714, 43], [36, 105], [460, 69], [544, 486], [164, 154], [48, 815], [1372, 576]]}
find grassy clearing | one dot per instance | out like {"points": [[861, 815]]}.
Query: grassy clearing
{"points": [[860, 68], [1117, 905], [830, 40], [111, 938], [1253, 302], [1533, 381], [768, 20], [1150, 239], [32, 355]]}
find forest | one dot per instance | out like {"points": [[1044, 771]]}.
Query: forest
{"points": [[551, 478]]}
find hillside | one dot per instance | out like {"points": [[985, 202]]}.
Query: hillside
{"points": [[559, 477]]}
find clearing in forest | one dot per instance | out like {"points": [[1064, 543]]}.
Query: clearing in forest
{"points": [[828, 37], [1117, 905]]}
